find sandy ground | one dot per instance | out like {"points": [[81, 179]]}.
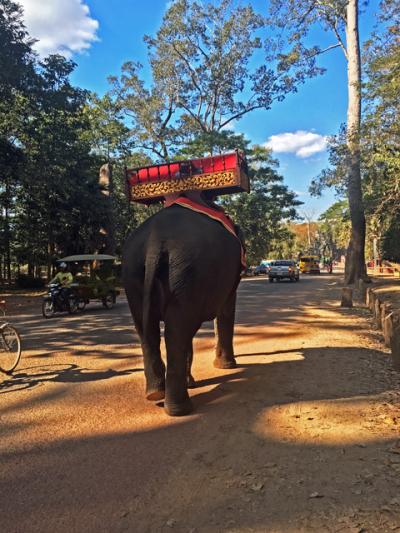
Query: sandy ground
{"points": [[303, 436]]}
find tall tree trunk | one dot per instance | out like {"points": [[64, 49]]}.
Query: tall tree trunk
{"points": [[50, 257], [355, 258]]}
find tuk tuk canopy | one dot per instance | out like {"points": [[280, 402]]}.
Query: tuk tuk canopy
{"points": [[87, 257]]}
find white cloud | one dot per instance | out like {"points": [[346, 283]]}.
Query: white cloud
{"points": [[302, 143], [62, 26]]}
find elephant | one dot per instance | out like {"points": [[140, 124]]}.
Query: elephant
{"points": [[183, 268]]}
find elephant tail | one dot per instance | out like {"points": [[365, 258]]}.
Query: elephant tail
{"points": [[150, 273]]}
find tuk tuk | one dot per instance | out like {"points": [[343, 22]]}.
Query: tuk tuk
{"points": [[94, 278], [309, 264]]}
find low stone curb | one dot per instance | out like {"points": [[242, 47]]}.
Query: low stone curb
{"points": [[386, 318]]}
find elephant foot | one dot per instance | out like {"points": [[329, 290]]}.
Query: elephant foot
{"points": [[178, 409], [155, 395], [191, 383], [219, 362]]}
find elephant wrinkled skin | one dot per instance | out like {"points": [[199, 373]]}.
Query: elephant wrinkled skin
{"points": [[183, 268]]}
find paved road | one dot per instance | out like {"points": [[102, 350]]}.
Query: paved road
{"points": [[259, 303], [297, 438]]}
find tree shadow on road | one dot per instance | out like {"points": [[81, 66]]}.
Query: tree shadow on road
{"points": [[230, 460], [258, 305], [241, 462], [58, 373]]}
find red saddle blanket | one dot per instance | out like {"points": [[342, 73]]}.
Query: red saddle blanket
{"points": [[218, 215]]}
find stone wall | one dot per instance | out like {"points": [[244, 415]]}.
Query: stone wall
{"points": [[384, 303]]}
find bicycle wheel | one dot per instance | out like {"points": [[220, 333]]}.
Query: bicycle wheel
{"points": [[10, 348]]}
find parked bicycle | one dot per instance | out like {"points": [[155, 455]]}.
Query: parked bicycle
{"points": [[10, 344]]}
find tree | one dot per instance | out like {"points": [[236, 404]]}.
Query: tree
{"points": [[213, 142], [206, 73], [309, 215], [304, 237], [109, 138], [11, 159], [107, 133], [381, 130], [17, 79], [16, 56], [341, 19], [59, 207], [334, 227], [263, 213], [380, 137], [355, 260]]}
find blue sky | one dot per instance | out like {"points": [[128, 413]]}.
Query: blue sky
{"points": [[100, 35]]}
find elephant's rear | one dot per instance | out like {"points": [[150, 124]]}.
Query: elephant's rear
{"points": [[181, 267], [186, 258]]}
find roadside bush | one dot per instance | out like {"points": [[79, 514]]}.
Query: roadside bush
{"points": [[24, 281], [390, 241]]}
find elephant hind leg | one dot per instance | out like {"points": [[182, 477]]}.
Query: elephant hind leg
{"points": [[191, 383], [179, 332], [223, 328], [154, 367]]}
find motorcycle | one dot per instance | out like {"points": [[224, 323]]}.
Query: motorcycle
{"points": [[55, 302]]}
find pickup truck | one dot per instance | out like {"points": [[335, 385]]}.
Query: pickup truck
{"points": [[282, 269]]}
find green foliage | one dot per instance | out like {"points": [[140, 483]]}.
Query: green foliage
{"points": [[390, 246], [380, 137], [262, 214], [17, 78], [381, 131], [336, 175], [127, 216], [59, 200], [334, 228], [296, 20], [283, 245], [149, 111], [213, 142], [25, 281], [211, 64], [16, 57], [107, 134], [49, 197], [381, 120]]}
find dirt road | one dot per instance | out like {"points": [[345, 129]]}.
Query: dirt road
{"points": [[303, 436]]}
